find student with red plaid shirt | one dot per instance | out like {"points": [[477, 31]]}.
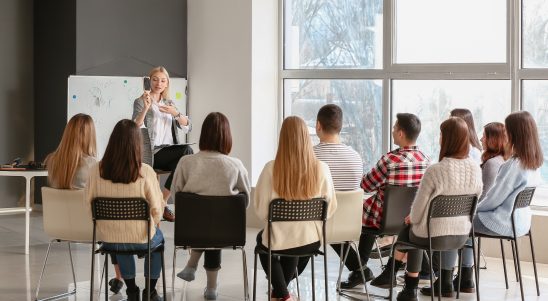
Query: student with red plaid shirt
{"points": [[403, 166]]}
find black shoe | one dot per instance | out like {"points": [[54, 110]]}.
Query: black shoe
{"points": [[115, 285], [133, 294], [466, 282], [355, 278], [383, 280], [409, 292], [446, 279], [153, 295]]}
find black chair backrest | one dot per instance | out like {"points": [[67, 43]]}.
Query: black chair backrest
{"points": [[396, 206], [452, 206], [297, 211], [104, 208], [210, 221], [147, 156], [524, 198]]}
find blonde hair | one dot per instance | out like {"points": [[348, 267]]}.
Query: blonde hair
{"points": [[295, 173], [78, 140], [161, 69]]}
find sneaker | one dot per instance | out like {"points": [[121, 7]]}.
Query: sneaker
{"points": [[355, 278], [210, 293], [187, 274], [115, 285], [169, 215]]}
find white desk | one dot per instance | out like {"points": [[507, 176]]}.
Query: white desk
{"points": [[28, 175]]}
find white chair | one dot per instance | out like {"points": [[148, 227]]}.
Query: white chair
{"points": [[345, 227], [66, 219]]}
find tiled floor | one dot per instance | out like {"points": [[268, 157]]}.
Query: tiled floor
{"points": [[19, 273]]}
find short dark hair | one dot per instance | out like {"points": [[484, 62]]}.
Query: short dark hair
{"points": [[454, 138], [410, 125], [215, 135], [121, 162], [330, 118], [522, 133]]}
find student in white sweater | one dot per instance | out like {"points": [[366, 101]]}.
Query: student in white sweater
{"points": [[210, 172], [493, 215], [294, 175], [120, 174], [455, 174]]}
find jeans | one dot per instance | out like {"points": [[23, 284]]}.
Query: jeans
{"points": [[127, 262]]}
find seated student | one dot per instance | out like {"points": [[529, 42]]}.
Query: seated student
{"points": [[493, 214], [210, 172], [475, 146], [455, 174], [345, 164], [403, 166], [294, 175], [120, 174], [493, 142], [68, 166]]}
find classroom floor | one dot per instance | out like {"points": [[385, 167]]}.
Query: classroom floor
{"points": [[19, 273]]}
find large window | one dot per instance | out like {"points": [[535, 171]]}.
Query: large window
{"points": [[377, 58]]}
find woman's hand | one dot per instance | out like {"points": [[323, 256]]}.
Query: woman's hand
{"points": [[147, 100], [407, 220], [170, 109]]}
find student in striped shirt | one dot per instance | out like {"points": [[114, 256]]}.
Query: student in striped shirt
{"points": [[403, 166]]}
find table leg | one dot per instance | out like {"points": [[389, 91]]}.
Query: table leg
{"points": [[27, 213]]}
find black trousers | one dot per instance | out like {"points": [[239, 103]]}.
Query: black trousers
{"points": [[212, 259], [168, 157], [283, 268], [367, 241]]}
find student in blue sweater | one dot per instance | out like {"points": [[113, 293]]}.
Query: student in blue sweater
{"points": [[493, 215]]}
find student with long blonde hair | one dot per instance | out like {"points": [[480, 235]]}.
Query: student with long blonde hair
{"points": [[294, 175], [69, 164]]}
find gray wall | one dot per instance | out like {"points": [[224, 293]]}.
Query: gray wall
{"points": [[16, 92]]}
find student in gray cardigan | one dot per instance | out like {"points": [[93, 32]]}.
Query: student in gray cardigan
{"points": [[210, 172]]}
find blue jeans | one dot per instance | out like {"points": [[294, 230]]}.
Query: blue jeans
{"points": [[127, 262], [449, 258]]}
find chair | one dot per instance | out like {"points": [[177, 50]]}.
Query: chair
{"points": [[65, 220], [523, 200], [104, 208], [396, 205], [211, 223], [344, 228], [294, 211], [443, 206]]}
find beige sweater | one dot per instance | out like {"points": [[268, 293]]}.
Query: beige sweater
{"points": [[146, 186], [448, 177], [286, 235]]}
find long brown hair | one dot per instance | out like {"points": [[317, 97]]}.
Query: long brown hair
{"points": [[78, 140], [495, 138], [215, 135], [161, 69], [454, 138], [522, 134], [122, 160], [466, 115], [295, 174]]}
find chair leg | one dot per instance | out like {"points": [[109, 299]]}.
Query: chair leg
{"points": [[504, 263], [392, 272], [173, 272], [431, 273], [459, 272], [534, 261], [515, 264], [378, 250], [313, 279], [255, 277], [246, 284], [476, 267], [297, 281], [106, 277], [92, 280], [519, 269], [163, 275], [43, 269], [478, 258], [439, 282], [353, 244], [341, 265], [325, 271]]}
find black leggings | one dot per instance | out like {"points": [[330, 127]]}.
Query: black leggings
{"points": [[283, 268], [168, 157]]}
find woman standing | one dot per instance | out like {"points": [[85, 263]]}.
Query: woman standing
{"points": [[157, 112], [294, 175], [210, 172], [120, 174]]}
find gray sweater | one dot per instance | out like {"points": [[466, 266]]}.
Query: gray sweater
{"points": [[211, 173], [489, 171]]}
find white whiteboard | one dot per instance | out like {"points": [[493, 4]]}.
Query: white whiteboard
{"points": [[108, 99]]}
